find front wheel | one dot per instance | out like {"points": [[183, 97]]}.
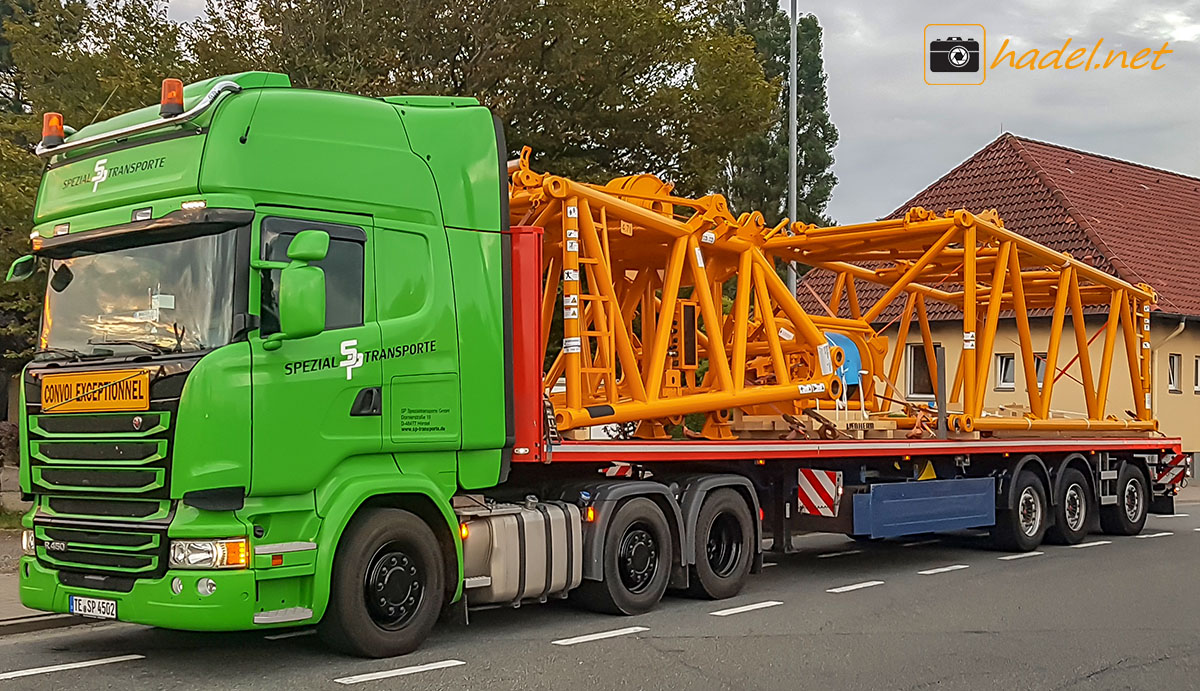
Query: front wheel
{"points": [[1128, 515], [388, 585], [637, 561]]}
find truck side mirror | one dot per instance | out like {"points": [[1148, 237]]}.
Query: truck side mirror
{"points": [[301, 289], [22, 268]]}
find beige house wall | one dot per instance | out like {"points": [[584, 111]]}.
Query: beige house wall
{"points": [[1178, 411]]}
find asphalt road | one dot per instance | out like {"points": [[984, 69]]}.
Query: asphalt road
{"points": [[942, 613]]}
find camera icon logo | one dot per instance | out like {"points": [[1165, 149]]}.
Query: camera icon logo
{"points": [[957, 59]]}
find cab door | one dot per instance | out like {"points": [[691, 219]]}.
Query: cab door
{"points": [[316, 400]]}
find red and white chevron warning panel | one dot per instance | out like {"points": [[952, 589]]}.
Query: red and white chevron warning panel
{"points": [[820, 492], [1171, 470]]}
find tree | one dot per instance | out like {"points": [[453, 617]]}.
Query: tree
{"points": [[598, 89], [87, 62], [756, 175]]}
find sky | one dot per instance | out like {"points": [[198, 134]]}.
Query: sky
{"points": [[898, 134]]}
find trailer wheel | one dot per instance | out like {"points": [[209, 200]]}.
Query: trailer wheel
{"points": [[387, 587], [724, 546], [1128, 515], [1021, 529], [1072, 511], [637, 561]]}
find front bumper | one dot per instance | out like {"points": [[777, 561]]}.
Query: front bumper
{"points": [[231, 607]]}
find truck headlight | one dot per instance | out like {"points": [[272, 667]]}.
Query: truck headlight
{"points": [[28, 546], [232, 553]]}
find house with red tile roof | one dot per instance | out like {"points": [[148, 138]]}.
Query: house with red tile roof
{"points": [[1139, 223]]}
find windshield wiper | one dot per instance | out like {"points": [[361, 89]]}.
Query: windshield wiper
{"points": [[69, 353], [144, 345]]}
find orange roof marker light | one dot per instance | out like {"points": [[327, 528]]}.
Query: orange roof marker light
{"points": [[172, 98], [52, 129]]}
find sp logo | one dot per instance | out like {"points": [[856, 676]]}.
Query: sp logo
{"points": [[101, 173], [354, 359]]}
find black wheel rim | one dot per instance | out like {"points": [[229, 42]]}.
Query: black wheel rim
{"points": [[637, 558], [724, 545], [394, 587]]}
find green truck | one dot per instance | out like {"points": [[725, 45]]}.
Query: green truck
{"points": [[289, 373]]}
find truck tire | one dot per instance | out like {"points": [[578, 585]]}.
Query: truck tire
{"points": [[637, 561], [1128, 515], [724, 540], [1072, 511], [387, 587], [1021, 529]]}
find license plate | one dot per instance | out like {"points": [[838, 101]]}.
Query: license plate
{"points": [[95, 607], [110, 390]]}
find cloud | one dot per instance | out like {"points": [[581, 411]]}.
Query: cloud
{"points": [[898, 134]]}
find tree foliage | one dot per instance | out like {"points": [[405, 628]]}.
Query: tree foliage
{"points": [[755, 175], [687, 89]]}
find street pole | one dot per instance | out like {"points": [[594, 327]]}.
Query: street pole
{"points": [[791, 268]]}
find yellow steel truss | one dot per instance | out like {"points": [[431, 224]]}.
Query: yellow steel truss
{"points": [[649, 334]]}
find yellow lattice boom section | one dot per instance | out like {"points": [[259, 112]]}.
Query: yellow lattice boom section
{"points": [[673, 306]]}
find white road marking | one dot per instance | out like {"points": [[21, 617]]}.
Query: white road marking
{"points": [[1170, 515], [1196, 529], [745, 608], [403, 671], [290, 634], [1146, 535], [839, 554], [1022, 555], [70, 665], [600, 636], [1094, 543], [920, 542], [856, 586], [944, 569]]}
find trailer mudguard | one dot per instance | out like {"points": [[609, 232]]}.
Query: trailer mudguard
{"points": [[357, 481], [1004, 484]]}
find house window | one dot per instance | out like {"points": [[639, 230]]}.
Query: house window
{"points": [[1006, 373], [1174, 373], [920, 381], [1039, 367], [1196, 376]]}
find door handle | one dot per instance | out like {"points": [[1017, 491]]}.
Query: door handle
{"points": [[369, 401]]}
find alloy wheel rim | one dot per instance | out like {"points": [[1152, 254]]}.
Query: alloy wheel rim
{"points": [[1075, 508], [1133, 500], [1030, 512]]}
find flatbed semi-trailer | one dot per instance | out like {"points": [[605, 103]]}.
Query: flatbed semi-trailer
{"points": [[291, 371]]}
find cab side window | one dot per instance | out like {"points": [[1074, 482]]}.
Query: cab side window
{"points": [[343, 268]]}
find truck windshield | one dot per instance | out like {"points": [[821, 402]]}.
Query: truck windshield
{"points": [[168, 297]]}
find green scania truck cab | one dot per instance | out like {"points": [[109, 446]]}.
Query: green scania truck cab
{"points": [[208, 411]]}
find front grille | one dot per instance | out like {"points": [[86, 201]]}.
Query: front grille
{"points": [[105, 550], [104, 508], [133, 451], [102, 482]]}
